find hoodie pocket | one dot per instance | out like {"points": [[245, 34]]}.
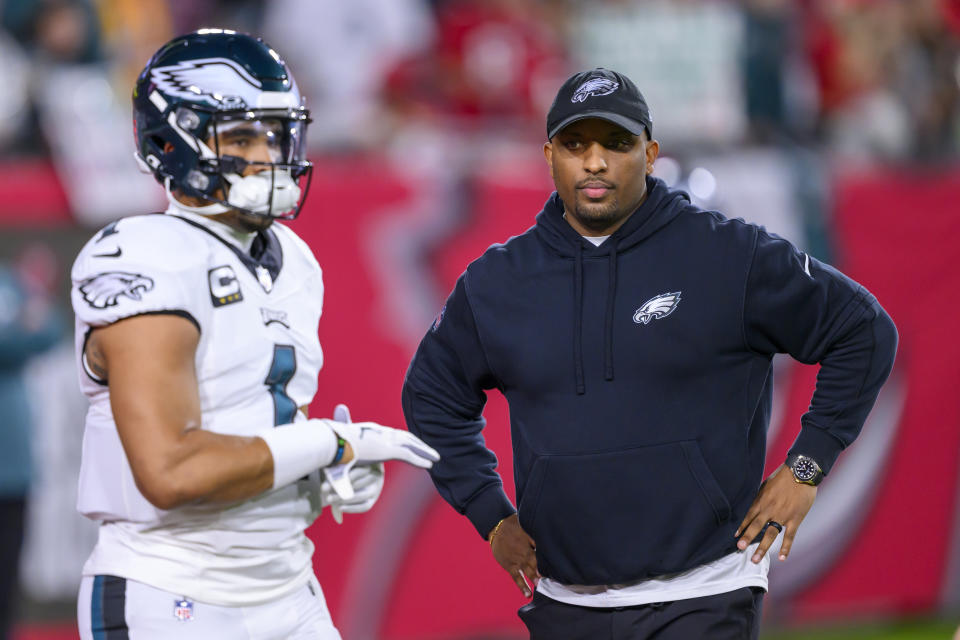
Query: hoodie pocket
{"points": [[625, 515]]}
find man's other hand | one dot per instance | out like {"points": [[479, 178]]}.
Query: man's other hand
{"points": [[515, 551], [782, 500]]}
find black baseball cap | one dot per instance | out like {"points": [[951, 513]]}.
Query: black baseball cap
{"points": [[599, 93]]}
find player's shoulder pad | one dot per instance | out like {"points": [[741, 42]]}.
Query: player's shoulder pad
{"points": [[292, 243], [154, 242]]}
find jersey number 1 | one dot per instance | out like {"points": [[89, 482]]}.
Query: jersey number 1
{"points": [[282, 368]]}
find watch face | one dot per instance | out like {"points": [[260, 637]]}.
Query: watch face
{"points": [[804, 469]]}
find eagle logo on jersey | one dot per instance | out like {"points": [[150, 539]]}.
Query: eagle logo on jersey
{"points": [[225, 83], [104, 289], [594, 87], [657, 307]]}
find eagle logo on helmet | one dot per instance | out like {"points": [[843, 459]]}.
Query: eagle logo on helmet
{"points": [[594, 87], [657, 307], [220, 82], [104, 289]]}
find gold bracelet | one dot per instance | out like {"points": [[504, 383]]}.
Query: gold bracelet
{"points": [[494, 532]]}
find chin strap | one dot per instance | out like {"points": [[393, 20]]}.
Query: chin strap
{"points": [[252, 193], [206, 210]]}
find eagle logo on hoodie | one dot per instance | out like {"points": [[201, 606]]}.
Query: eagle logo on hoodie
{"points": [[657, 307]]}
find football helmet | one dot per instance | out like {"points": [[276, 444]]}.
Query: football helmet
{"points": [[195, 90]]}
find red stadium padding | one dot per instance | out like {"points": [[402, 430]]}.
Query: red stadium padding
{"points": [[413, 569], [897, 235], [31, 195]]}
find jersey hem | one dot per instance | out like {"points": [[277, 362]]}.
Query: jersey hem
{"points": [[205, 596]]}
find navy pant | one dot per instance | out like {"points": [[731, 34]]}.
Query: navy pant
{"points": [[726, 616], [11, 539]]}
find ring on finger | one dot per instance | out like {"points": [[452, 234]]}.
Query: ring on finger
{"points": [[776, 525]]}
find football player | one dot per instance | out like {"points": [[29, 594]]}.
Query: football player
{"points": [[197, 340]]}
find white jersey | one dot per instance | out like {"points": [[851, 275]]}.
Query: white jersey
{"points": [[257, 361]]}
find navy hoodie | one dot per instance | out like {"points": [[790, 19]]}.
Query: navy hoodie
{"points": [[638, 376]]}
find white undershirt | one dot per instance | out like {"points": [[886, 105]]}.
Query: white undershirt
{"points": [[729, 573], [596, 240]]}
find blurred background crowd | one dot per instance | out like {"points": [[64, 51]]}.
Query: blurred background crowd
{"points": [[863, 79], [428, 118]]}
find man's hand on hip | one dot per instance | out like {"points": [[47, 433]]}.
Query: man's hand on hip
{"points": [[515, 551], [782, 501]]}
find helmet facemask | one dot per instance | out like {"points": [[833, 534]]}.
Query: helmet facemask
{"points": [[254, 162]]}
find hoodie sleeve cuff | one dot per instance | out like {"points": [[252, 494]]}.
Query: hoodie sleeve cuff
{"points": [[818, 444], [487, 508]]}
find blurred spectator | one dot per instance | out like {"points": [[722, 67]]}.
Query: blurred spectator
{"points": [[928, 77], [56, 30], [16, 115], [28, 326], [42, 33], [491, 68], [684, 55], [132, 31], [238, 15], [345, 50], [887, 79]]}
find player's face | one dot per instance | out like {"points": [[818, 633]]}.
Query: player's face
{"points": [[600, 171], [254, 141]]}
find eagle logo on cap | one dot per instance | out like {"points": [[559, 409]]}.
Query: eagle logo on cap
{"points": [[594, 87]]}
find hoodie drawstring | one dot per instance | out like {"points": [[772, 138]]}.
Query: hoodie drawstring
{"points": [[608, 320], [578, 318]]}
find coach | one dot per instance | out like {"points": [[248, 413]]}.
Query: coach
{"points": [[632, 334]]}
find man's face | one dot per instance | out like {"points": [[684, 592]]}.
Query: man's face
{"points": [[600, 171]]}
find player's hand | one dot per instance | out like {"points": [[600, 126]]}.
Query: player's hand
{"points": [[372, 443], [783, 500], [515, 551], [367, 482]]}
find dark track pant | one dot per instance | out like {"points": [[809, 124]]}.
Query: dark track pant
{"points": [[11, 539], [726, 616]]}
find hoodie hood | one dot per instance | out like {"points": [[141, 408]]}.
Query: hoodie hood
{"points": [[659, 208]]}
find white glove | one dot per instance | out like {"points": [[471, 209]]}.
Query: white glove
{"points": [[367, 481], [373, 443]]}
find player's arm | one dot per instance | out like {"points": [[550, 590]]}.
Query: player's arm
{"points": [[148, 361]]}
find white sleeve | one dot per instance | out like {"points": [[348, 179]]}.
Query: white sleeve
{"points": [[140, 265]]}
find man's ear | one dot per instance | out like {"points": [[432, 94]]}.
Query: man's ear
{"points": [[652, 151], [548, 156]]}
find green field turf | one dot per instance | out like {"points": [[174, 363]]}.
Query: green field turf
{"points": [[914, 630]]}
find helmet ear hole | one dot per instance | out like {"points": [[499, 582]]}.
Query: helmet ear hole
{"points": [[161, 145]]}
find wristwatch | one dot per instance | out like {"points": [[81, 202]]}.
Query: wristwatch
{"points": [[805, 469]]}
